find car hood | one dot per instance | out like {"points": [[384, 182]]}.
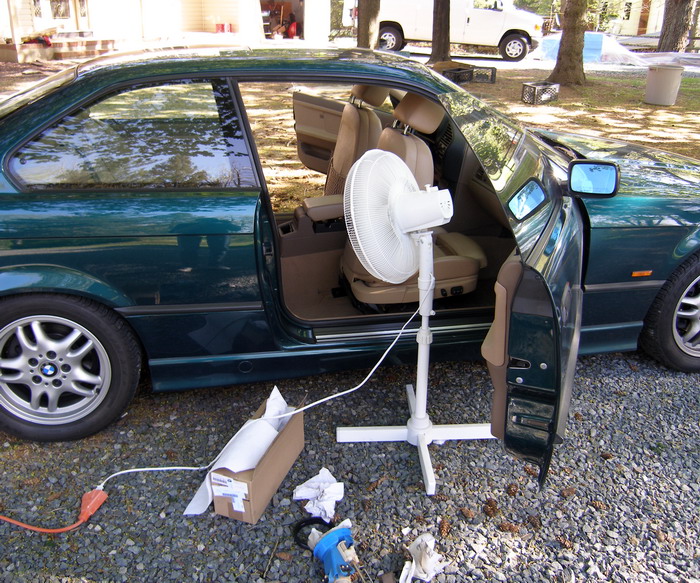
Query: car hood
{"points": [[643, 171]]}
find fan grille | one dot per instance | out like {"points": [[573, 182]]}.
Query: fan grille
{"points": [[374, 183]]}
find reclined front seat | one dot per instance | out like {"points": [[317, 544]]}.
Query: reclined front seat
{"points": [[457, 258]]}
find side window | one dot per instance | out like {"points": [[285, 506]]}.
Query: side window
{"points": [[175, 135]]}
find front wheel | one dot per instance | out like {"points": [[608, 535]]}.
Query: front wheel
{"points": [[671, 331], [514, 47], [68, 367], [390, 38]]}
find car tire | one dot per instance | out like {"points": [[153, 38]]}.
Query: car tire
{"points": [[514, 47], [671, 332], [390, 38], [68, 367]]}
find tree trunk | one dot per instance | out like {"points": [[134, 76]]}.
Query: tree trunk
{"points": [[368, 23], [569, 67], [678, 15], [441, 31]]}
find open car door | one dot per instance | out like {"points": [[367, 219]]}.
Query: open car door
{"points": [[532, 345]]}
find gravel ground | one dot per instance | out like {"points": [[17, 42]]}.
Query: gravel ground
{"points": [[621, 502]]}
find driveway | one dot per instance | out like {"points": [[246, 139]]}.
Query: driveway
{"points": [[620, 503]]}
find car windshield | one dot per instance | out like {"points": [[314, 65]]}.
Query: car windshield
{"points": [[19, 100], [495, 139]]}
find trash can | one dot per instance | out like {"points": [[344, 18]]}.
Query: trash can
{"points": [[663, 82]]}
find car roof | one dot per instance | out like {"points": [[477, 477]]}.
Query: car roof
{"points": [[282, 63]]}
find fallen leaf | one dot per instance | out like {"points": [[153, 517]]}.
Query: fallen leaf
{"points": [[491, 507], [373, 486], [565, 542], [468, 513], [534, 521], [532, 471], [445, 526]]}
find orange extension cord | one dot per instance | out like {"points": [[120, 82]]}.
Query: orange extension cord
{"points": [[90, 503]]}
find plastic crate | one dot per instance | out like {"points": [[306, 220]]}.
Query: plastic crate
{"points": [[471, 74], [484, 75], [540, 92], [459, 75]]}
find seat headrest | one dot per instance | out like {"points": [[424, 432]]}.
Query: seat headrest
{"points": [[372, 94], [419, 113]]}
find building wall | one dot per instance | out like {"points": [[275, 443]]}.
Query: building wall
{"points": [[162, 18], [630, 26], [21, 13], [317, 21], [136, 20], [144, 19]]}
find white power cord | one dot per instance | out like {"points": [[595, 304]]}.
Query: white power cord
{"points": [[288, 414]]}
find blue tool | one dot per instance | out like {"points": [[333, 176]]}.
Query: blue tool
{"points": [[335, 549]]}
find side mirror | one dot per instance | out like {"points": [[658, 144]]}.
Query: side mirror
{"points": [[593, 178]]}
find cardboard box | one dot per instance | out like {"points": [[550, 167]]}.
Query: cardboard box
{"points": [[245, 495]]}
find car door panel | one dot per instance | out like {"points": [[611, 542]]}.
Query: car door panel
{"points": [[532, 345], [316, 122], [495, 346]]}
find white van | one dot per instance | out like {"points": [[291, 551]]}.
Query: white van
{"points": [[488, 23]]}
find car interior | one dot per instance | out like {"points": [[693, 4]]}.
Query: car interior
{"points": [[332, 126]]}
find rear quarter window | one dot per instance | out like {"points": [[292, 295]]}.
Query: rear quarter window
{"points": [[176, 135]]}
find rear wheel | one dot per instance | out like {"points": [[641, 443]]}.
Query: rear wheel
{"points": [[514, 47], [68, 367], [390, 38], [671, 331]]}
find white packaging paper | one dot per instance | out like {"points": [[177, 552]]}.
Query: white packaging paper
{"points": [[427, 562], [243, 452]]}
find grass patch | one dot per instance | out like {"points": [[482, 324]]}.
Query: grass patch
{"points": [[607, 106]]}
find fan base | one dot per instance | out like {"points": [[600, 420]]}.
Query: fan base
{"points": [[419, 432]]}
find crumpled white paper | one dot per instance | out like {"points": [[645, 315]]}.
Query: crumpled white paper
{"points": [[322, 492], [426, 561], [245, 449]]}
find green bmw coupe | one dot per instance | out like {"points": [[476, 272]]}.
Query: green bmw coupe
{"points": [[180, 214]]}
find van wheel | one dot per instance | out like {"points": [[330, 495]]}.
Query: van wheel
{"points": [[390, 39], [514, 47], [671, 332], [68, 367]]}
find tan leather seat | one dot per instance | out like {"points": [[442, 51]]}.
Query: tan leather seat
{"points": [[418, 113], [359, 131], [458, 259]]}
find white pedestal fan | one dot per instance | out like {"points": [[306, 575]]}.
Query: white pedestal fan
{"points": [[388, 220]]}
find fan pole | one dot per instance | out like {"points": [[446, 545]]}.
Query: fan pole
{"points": [[419, 430], [419, 421]]}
